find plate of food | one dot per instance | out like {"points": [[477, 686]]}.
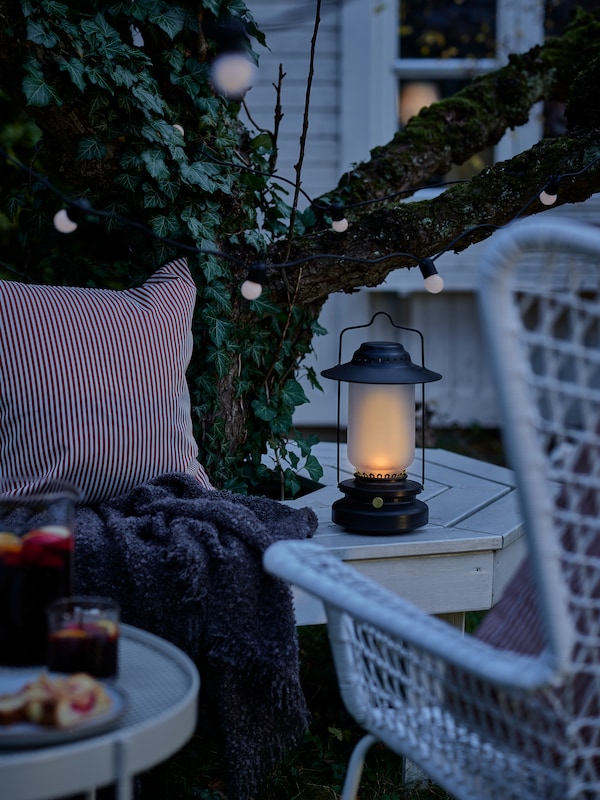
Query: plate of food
{"points": [[40, 708]]}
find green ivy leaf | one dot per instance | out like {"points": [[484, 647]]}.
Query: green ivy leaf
{"points": [[99, 27], [98, 78], [35, 88], [170, 188], [39, 34], [264, 306], [293, 458], [176, 58], [123, 77], [14, 204], [262, 143], [164, 225], [220, 294], [314, 469], [212, 5], [263, 411], [90, 149], [196, 174], [293, 393], [155, 164], [219, 329], [220, 359], [211, 267], [136, 10], [169, 20], [128, 181], [131, 160], [281, 424], [150, 99], [76, 72], [152, 197], [256, 239], [199, 229]]}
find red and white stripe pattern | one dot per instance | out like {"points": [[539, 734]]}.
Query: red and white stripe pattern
{"points": [[92, 383]]}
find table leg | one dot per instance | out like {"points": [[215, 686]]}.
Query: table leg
{"points": [[124, 785], [455, 618]]}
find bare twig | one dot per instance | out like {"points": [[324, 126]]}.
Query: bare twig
{"points": [[277, 117], [253, 121], [303, 135]]}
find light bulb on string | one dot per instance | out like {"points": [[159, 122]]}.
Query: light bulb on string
{"points": [[233, 74], [63, 222], [549, 193], [67, 219], [339, 223], [434, 283], [232, 71], [251, 288]]}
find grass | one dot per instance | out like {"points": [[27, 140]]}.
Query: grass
{"points": [[315, 770]]}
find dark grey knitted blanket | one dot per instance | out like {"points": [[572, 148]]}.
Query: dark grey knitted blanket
{"points": [[185, 563]]}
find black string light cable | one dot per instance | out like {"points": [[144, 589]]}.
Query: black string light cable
{"points": [[252, 287], [339, 222], [66, 220], [549, 193]]}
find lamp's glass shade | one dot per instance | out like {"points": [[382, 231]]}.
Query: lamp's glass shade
{"points": [[381, 428]]}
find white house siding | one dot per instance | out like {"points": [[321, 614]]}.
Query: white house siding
{"points": [[288, 26]]}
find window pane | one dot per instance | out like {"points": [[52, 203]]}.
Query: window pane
{"points": [[447, 28]]}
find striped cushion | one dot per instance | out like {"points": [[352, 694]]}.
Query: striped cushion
{"points": [[92, 383]]}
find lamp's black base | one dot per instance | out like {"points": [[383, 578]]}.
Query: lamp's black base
{"points": [[376, 506]]}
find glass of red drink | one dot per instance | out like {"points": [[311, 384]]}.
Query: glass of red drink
{"points": [[36, 566], [83, 636]]}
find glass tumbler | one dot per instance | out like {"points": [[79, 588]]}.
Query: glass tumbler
{"points": [[36, 565], [83, 636]]}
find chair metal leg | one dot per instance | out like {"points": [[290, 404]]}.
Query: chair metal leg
{"points": [[355, 767]]}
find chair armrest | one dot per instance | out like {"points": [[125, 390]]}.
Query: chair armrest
{"points": [[322, 574]]}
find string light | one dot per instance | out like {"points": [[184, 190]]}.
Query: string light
{"points": [[549, 193], [339, 223], [233, 74], [63, 222], [232, 71], [434, 283], [251, 288], [66, 221]]}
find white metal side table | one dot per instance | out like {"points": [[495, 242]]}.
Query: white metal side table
{"points": [[161, 684]]}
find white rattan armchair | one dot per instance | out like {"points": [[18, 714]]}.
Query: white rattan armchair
{"points": [[486, 722]]}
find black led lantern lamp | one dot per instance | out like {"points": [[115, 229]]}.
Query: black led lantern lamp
{"points": [[381, 378]]}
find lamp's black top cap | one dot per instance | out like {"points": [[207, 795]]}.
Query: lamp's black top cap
{"points": [[381, 362]]}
